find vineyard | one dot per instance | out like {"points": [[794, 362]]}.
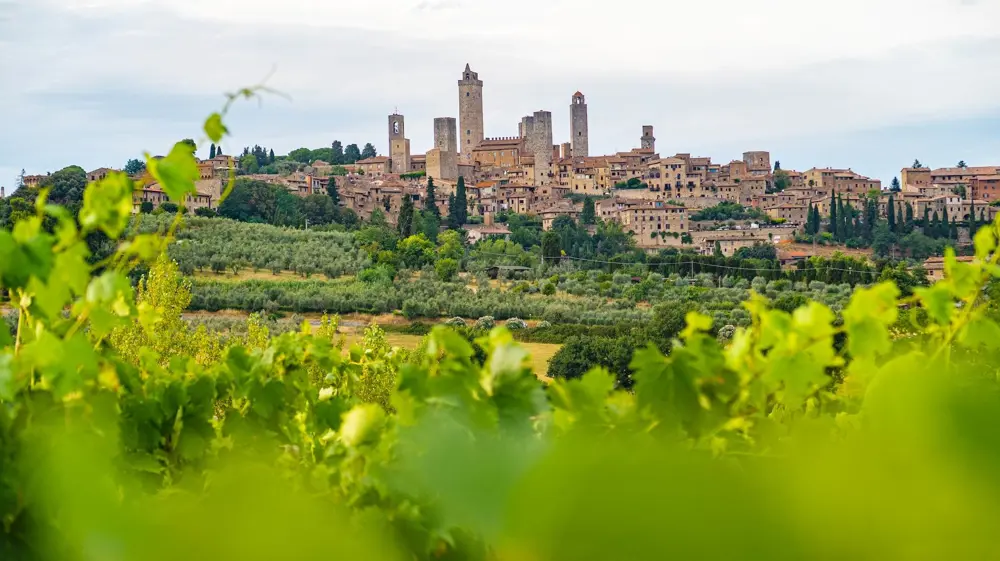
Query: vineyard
{"points": [[804, 433]]}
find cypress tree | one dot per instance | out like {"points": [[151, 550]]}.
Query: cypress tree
{"points": [[972, 219], [809, 220], [935, 226], [589, 215], [833, 215], [331, 189], [405, 222], [462, 202], [817, 220], [945, 231], [211, 152], [270, 158], [842, 219], [892, 214], [908, 226], [430, 201], [452, 213]]}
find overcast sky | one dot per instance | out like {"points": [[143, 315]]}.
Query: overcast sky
{"points": [[866, 84]]}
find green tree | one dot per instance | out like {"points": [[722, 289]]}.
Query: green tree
{"points": [[908, 225], [146, 207], [337, 153], [891, 214], [832, 228], [452, 213], [416, 251], [882, 239], [211, 152], [430, 200], [961, 164], [331, 190], [781, 180], [352, 154], [934, 230], [917, 164], [191, 143], [972, 219], [318, 209], [450, 245], [777, 165], [368, 151], [589, 215], [461, 202], [717, 252], [945, 230], [405, 221], [446, 269], [895, 187], [959, 190], [551, 246], [270, 157], [249, 164]]}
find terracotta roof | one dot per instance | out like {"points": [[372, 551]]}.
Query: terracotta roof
{"points": [[375, 160]]}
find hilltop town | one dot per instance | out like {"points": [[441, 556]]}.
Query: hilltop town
{"points": [[663, 200]]}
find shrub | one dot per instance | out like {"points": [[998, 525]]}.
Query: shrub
{"points": [[486, 322], [549, 289], [456, 322], [516, 323], [446, 269], [544, 325]]}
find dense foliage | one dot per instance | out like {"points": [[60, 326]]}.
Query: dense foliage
{"points": [[806, 434], [218, 245]]}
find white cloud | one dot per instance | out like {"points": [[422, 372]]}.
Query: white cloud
{"points": [[107, 78]]}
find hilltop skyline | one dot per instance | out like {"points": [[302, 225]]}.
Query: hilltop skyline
{"points": [[872, 101]]}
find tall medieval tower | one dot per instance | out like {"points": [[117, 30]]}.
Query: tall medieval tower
{"points": [[470, 111], [536, 130], [578, 130], [399, 146], [648, 141]]}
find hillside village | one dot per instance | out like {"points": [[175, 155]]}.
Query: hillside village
{"points": [[659, 198]]}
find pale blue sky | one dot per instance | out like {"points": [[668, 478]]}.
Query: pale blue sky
{"points": [[866, 84]]}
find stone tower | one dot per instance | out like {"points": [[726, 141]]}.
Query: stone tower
{"points": [[537, 133], [470, 111], [579, 134], [648, 141], [446, 134], [399, 146], [442, 160]]}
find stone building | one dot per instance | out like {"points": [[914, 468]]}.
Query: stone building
{"points": [[578, 129], [470, 111], [758, 162], [442, 160], [647, 141], [399, 145], [377, 166], [446, 134], [536, 130], [915, 178]]}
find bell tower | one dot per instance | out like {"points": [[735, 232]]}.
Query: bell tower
{"points": [[399, 146], [470, 112]]}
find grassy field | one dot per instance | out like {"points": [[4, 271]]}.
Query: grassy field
{"points": [[541, 353]]}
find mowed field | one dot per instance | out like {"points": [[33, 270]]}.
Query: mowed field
{"points": [[541, 353]]}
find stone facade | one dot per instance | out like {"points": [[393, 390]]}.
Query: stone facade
{"points": [[446, 134], [758, 162], [536, 130], [442, 160], [399, 145], [470, 111], [578, 130], [648, 141]]}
